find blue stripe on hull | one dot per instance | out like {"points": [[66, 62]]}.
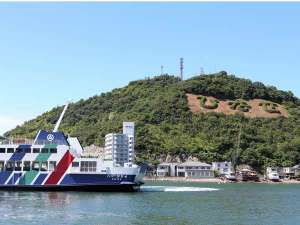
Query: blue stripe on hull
{"points": [[96, 179], [40, 179], [14, 178], [18, 156], [4, 175]]}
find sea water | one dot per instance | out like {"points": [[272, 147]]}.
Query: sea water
{"points": [[158, 203]]}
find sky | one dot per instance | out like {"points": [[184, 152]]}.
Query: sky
{"points": [[51, 53]]}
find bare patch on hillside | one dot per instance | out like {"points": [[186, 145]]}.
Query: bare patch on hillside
{"points": [[223, 107]]}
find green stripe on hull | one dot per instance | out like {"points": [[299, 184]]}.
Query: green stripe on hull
{"points": [[45, 156], [28, 177], [42, 157]]}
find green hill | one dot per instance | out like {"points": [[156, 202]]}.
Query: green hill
{"points": [[166, 126]]}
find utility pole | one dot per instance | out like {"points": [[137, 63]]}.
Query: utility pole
{"points": [[161, 70], [181, 68], [237, 152]]}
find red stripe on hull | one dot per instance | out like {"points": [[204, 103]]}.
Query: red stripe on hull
{"points": [[61, 168]]}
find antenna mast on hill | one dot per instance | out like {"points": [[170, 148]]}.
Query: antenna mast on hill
{"points": [[161, 70], [181, 68], [201, 71]]}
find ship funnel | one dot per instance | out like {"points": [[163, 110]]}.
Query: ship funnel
{"points": [[60, 118]]}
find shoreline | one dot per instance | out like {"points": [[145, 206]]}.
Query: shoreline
{"points": [[215, 180]]}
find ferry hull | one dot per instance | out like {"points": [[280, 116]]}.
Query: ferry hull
{"points": [[18, 181], [80, 188]]}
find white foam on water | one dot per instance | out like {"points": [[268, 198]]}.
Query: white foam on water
{"points": [[174, 189]]}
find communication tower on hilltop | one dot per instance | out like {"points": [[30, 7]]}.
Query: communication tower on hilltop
{"points": [[201, 71], [181, 68], [161, 70]]}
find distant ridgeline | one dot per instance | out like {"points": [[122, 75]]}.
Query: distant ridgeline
{"points": [[199, 117]]}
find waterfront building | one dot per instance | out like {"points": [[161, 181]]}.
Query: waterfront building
{"points": [[297, 170], [192, 169], [283, 172], [119, 148], [288, 172], [167, 169], [222, 167]]}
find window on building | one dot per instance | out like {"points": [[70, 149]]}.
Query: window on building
{"points": [[2, 150], [44, 150], [36, 150], [18, 166], [88, 166], [52, 165], [10, 150], [26, 166], [53, 150], [10, 166], [36, 166]]}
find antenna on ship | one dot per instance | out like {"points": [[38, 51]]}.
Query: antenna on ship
{"points": [[60, 118]]}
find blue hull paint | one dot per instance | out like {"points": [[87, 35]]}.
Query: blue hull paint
{"points": [[71, 182], [99, 179], [40, 179]]}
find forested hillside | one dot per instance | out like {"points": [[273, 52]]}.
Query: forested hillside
{"points": [[166, 126]]}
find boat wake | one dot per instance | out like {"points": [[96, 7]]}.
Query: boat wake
{"points": [[174, 189]]}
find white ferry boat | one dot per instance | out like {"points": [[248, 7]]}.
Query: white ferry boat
{"points": [[54, 162]]}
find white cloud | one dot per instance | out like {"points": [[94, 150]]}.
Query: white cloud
{"points": [[7, 123]]}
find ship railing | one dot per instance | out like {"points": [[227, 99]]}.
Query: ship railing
{"points": [[17, 141], [45, 142]]}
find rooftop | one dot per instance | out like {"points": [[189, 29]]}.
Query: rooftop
{"points": [[168, 164], [194, 163]]}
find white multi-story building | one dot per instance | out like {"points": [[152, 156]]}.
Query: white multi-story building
{"points": [[119, 148], [128, 129]]}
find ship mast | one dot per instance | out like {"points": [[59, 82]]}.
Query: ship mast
{"points": [[60, 118]]}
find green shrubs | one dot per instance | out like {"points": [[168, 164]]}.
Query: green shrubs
{"points": [[239, 105], [269, 107], [213, 104]]}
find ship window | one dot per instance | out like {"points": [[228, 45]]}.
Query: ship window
{"points": [[10, 150], [36, 150], [19, 150], [18, 166], [44, 150], [9, 166], [88, 166], [52, 165], [75, 164], [26, 166], [53, 150], [27, 150], [1, 165], [36, 166], [2, 150], [44, 166]]}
